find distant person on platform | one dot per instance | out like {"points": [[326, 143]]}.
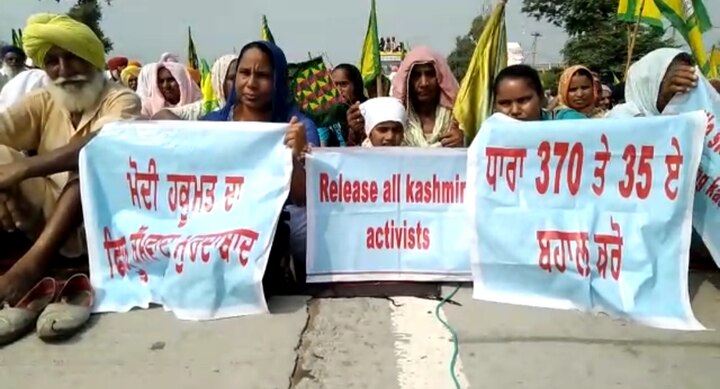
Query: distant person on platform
{"points": [[13, 63]]}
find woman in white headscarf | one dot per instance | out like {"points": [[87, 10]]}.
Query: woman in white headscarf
{"points": [[222, 79], [654, 80], [651, 84], [144, 84], [385, 120]]}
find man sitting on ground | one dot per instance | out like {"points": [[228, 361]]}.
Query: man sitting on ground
{"points": [[40, 195]]}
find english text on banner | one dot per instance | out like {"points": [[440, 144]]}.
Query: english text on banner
{"points": [[387, 214]]}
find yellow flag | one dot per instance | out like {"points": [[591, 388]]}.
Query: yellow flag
{"points": [[474, 101], [691, 20], [646, 10], [715, 60], [370, 57]]}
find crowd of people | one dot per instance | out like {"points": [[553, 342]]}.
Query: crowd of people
{"points": [[58, 91]]}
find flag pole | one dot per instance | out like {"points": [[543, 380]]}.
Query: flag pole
{"points": [[633, 39]]}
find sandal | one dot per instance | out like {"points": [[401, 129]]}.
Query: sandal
{"points": [[17, 321]]}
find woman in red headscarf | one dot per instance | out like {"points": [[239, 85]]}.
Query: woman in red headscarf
{"points": [[427, 87]]}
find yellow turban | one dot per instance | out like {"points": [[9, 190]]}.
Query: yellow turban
{"points": [[130, 71], [46, 30]]}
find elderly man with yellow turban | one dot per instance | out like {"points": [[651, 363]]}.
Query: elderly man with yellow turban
{"points": [[40, 195]]}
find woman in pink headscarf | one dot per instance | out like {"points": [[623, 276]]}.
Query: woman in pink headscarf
{"points": [[427, 87], [170, 86]]}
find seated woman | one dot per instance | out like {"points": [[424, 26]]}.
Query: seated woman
{"points": [[577, 95], [427, 87], [518, 93], [349, 83], [654, 80], [651, 83], [262, 94], [169, 86], [385, 119], [222, 78]]}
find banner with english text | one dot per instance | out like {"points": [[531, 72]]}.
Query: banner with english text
{"points": [[183, 214], [387, 214], [590, 214], [706, 212]]}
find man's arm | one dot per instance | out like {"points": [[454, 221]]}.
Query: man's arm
{"points": [[124, 106], [62, 159], [21, 123]]}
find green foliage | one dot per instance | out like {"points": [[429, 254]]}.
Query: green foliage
{"points": [[597, 39], [574, 16], [459, 59], [89, 12], [606, 51]]}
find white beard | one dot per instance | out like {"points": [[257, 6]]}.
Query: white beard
{"points": [[77, 99], [9, 71]]}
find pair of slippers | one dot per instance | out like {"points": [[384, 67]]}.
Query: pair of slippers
{"points": [[57, 311]]}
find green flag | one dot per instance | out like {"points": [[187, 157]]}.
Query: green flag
{"points": [[193, 61], [370, 58], [265, 33]]}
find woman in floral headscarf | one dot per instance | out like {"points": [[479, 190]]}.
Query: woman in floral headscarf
{"points": [[577, 94]]}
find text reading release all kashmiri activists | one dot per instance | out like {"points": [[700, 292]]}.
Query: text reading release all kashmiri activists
{"points": [[392, 212]]}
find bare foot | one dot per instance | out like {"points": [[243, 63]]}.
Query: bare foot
{"points": [[16, 283]]}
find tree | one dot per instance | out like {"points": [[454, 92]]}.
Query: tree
{"points": [[606, 52], [89, 12], [550, 79], [459, 59], [597, 39]]}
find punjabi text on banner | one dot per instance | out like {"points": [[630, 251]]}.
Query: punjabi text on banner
{"points": [[168, 224], [587, 214]]}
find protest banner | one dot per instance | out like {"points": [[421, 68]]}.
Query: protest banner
{"points": [[706, 210], [387, 214], [183, 214], [586, 214]]}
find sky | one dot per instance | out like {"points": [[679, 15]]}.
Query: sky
{"points": [[144, 29]]}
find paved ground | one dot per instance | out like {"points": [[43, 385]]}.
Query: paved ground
{"points": [[376, 344]]}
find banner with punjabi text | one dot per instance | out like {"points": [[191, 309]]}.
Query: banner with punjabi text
{"points": [[592, 215], [706, 212], [183, 214], [387, 214]]}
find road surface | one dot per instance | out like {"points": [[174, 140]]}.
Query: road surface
{"points": [[377, 344]]}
